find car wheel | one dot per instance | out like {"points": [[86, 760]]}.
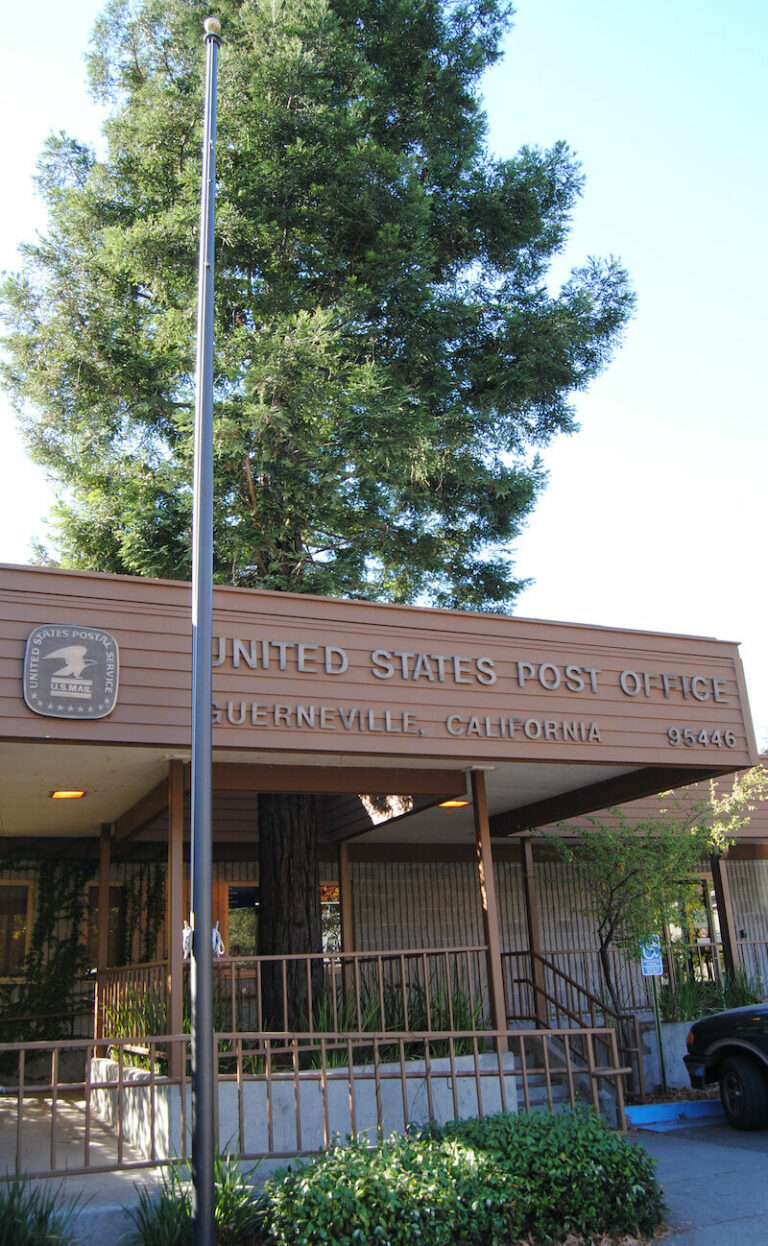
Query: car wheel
{"points": [[744, 1092]]}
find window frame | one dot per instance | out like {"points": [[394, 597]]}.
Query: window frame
{"points": [[91, 934]]}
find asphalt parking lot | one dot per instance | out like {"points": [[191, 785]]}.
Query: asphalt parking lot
{"points": [[715, 1182]]}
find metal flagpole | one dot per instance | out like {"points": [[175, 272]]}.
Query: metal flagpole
{"points": [[201, 916]]}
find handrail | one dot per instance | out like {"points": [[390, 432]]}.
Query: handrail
{"points": [[631, 1052], [552, 999], [579, 986]]}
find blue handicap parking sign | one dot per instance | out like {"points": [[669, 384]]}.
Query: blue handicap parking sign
{"points": [[650, 958]]}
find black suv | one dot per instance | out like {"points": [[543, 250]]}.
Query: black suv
{"points": [[732, 1048]]}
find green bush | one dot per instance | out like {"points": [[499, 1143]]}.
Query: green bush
{"points": [[396, 1009], [688, 1000], [139, 1013], [34, 1215], [568, 1173], [486, 1182], [397, 1193], [480, 1183]]}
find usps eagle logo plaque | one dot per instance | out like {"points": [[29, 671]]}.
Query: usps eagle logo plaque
{"points": [[70, 671]]}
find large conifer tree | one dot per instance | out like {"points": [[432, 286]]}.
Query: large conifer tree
{"points": [[389, 353]]}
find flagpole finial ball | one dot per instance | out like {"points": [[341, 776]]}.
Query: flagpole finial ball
{"points": [[212, 26]]}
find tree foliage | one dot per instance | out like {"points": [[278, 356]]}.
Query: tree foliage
{"points": [[390, 355], [637, 870]]}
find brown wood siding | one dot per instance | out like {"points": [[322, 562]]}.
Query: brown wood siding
{"points": [[415, 904], [137, 880], [151, 622], [405, 904], [749, 894], [568, 933], [563, 898], [511, 900]]}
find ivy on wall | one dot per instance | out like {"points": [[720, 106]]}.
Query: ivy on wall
{"points": [[42, 1005], [144, 917], [44, 1001]]}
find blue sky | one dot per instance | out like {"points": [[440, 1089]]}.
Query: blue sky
{"points": [[654, 513]]}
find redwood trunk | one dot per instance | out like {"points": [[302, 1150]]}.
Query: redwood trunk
{"points": [[289, 909]]}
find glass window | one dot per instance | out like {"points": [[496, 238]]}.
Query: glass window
{"points": [[14, 905], [330, 917], [243, 905]]}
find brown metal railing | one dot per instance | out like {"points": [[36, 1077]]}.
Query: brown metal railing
{"points": [[545, 993], [425, 988], [129, 988], [403, 988], [433, 989], [50, 1122], [703, 961], [700, 960], [583, 966], [62, 1111]]}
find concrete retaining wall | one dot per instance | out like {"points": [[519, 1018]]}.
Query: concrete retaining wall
{"points": [[673, 1035], [301, 1108]]}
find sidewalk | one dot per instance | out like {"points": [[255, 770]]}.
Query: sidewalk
{"points": [[715, 1182], [101, 1218]]}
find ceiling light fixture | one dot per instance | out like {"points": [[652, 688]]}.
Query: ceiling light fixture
{"points": [[453, 804], [67, 794]]}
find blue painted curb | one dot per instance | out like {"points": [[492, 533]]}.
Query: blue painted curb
{"points": [[674, 1115]]}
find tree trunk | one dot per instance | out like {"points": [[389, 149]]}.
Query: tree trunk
{"points": [[289, 909], [605, 961]]}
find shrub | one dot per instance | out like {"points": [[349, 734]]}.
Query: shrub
{"points": [[568, 1172], [480, 1183], [405, 1190], [139, 1013], [483, 1182], [165, 1219], [688, 999], [396, 1008], [34, 1215]]}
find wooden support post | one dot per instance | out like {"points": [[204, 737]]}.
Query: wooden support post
{"points": [[531, 892], [490, 908], [347, 922], [102, 935], [174, 900], [728, 933], [345, 900]]}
